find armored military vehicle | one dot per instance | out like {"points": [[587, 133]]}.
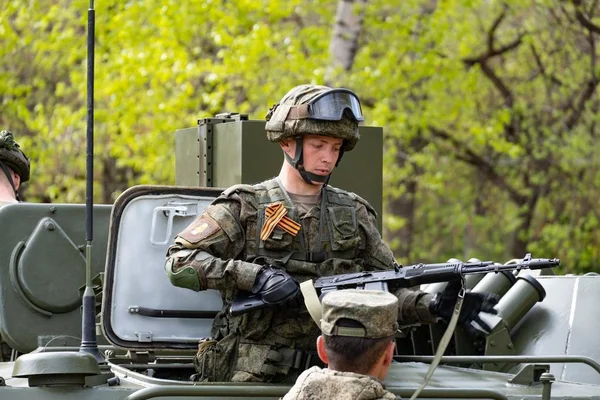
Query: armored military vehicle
{"points": [[542, 346]]}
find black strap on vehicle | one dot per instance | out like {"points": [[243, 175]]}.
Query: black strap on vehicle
{"points": [[157, 313]]}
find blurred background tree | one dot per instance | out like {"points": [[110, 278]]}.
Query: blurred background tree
{"points": [[489, 108]]}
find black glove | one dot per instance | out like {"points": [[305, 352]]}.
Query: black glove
{"points": [[277, 287], [443, 303]]}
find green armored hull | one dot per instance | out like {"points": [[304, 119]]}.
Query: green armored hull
{"points": [[538, 350], [447, 382]]}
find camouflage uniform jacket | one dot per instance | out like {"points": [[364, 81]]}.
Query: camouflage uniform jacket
{"points": [[223, 250], [317, 383]]}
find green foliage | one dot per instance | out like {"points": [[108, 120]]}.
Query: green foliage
{"points": [[495, 146]]}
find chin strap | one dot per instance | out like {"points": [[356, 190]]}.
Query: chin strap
{"points": [[309, 177], [10, 179]]}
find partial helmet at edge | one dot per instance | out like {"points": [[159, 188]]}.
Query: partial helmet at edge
{"points": [[279, 127], [12, 155]]}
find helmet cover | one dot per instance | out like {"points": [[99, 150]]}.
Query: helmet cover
{"points": [[12, 155], [281, 126]]}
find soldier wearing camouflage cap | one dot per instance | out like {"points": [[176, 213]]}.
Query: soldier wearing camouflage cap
{"points": [[265, 238], [14, 168], [357, 343]]}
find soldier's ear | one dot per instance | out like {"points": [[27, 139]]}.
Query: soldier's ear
{"points": [[288, 145], [389, 353], [321, 349], [16, 179]]}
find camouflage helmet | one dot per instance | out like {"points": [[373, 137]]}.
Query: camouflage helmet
{"points": [[284, 120], [12, 156]]}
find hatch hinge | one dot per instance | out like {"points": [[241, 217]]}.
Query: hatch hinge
{"points": [[141, 357]]}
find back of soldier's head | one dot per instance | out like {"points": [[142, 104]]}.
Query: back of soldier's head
{"points": [[12, 161], [12, 156], [358, 325]]}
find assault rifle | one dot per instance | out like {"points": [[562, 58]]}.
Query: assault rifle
{"points": [[400, 276]]}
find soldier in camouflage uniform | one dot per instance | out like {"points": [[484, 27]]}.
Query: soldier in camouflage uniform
{"points": [[14, 168], [235, 246], [357, 343]]}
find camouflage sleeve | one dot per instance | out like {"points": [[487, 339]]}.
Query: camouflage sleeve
{"points": [[204, 254], [413, 305]]}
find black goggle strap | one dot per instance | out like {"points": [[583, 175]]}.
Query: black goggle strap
{"points": [[10, 179]]}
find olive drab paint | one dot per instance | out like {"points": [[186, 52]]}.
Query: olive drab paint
{"points": [[229, 149]]}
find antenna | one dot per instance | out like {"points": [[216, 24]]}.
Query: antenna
{"points": [[89, 343]]}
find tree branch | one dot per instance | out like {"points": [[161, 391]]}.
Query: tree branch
{"points": [[591, 85], [587, 93], [586, 22], [494, 28], [500, 85], [491, 52], [542, 67], [469, 156], [583, 20]]}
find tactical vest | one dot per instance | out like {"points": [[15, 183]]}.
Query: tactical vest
{"points": [[266, 343], [337, 234]]}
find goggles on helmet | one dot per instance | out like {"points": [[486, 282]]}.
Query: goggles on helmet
{"points": [[329, 106]]}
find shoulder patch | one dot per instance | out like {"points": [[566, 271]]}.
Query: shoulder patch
{"points": [[203, 227], [238, 188]]}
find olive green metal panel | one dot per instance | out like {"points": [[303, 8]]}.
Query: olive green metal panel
{"points": [[42, 268], [232, 146], [361, 170], [242, 154], [567, 322], [187, 162], [403, 379]]}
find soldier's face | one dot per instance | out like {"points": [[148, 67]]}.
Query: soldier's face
{"points": [[320, 153]]}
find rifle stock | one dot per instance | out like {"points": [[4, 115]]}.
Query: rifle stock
{"points": [[403, 277]]}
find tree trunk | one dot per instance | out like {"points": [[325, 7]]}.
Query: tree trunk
{"points": [[346, 31]]}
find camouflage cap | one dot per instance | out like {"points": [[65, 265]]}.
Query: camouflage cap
{"points": [[279, 127], [13, 156], [375, 310]]}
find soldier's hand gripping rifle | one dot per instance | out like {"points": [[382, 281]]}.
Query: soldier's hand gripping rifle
{"points": [[402, 277]]}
